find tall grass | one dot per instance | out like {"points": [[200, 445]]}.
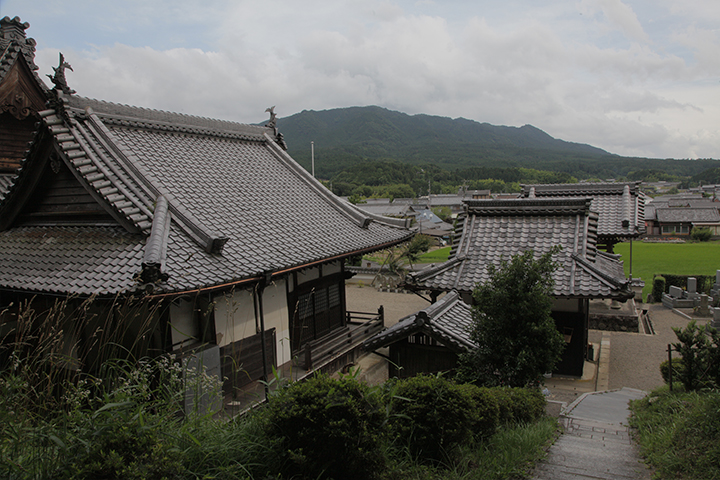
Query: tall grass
{"points": [[79, 399], [678, 433]]}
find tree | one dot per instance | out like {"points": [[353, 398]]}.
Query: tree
{"points": [[515, 333]]}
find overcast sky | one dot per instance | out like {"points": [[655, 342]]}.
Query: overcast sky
{"points": [[635, 77]]}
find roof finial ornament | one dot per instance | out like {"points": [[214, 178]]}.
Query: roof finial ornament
{"points": [[272, 122], [59, 78]]}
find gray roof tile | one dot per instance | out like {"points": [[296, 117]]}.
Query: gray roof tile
{"points": [[449, 321], [495, 230], [613, 202], [688, 215], [223, 181]]}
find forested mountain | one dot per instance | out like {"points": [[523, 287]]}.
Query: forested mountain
{"points": [[349, 143]]}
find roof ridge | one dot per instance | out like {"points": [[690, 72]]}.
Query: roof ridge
{"points": [[164, 119]]}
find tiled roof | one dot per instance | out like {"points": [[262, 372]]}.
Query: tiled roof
{"points": [[697, 203], [14, 44], [449, 321], [493, 230], [679, 215], [238, 204], [386, 209], [620, 206], [5, 182], [82, 260]]}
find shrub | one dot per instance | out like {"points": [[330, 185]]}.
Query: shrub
{"points": [[701, 234], [328, 429], [658, 288], [431, 414], [487, 411], [677, 372], [700, 350], [516, 337], [519, 405]]}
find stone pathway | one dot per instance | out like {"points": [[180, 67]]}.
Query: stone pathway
{"points": [[596, 443]]}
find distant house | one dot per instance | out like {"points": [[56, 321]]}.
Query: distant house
{"points": [[620, 207], [682, 220], [491, 230], [209, 221]]}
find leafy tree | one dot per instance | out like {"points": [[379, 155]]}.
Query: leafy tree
{"points": [[515, 333], [444, 213]]}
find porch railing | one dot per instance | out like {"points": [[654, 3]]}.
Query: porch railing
{"points": [[342, 345]]}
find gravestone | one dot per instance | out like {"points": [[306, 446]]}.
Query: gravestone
{"points": [[716, 318], [703, 309], [676, 292], [692, 288]]}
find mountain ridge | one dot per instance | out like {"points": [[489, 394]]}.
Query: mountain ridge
{"points": [[346, 137]]}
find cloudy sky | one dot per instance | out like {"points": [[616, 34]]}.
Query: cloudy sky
{"points": [[635, 77]]}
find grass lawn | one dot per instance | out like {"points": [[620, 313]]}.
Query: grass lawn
{"points": [[648, 259], [435, 256]]}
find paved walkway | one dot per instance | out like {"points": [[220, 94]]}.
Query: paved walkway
{"points": [[596, 443]]}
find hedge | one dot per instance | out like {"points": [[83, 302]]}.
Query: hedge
{"points": [[704, 282]]}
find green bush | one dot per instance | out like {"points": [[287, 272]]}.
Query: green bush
{"points": [[699, 347], [677, 372], [487, 411], [328, 429], [701, 234], [518, 404], [126, 451], [704, 282], [658, 288], [431, 415]]}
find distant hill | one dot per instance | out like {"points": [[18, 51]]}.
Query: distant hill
{"points": [[345, 137]]}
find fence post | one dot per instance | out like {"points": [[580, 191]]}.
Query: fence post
{"points": [[308, 356], [670, 366]]}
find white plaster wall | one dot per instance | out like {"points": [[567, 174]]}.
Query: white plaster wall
{"points": [[277, 316], [234, 316], [182, 321], [566, 305], [331, 268], [308, 275]]}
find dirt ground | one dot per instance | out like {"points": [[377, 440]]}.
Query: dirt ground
{"points": [[396, 305]]}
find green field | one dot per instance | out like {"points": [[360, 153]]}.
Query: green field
{"points": [[648, 259], [435, 256]]}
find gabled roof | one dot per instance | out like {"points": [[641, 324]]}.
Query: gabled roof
{"points": [[449, 321], [688, 215], [14, 45], [493, 230], [198, 203], [620, 206]]}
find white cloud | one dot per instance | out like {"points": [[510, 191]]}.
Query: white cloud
{"points": [[628, 77]]}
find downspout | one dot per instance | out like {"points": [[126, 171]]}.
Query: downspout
{"points": [[259, 313]]}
